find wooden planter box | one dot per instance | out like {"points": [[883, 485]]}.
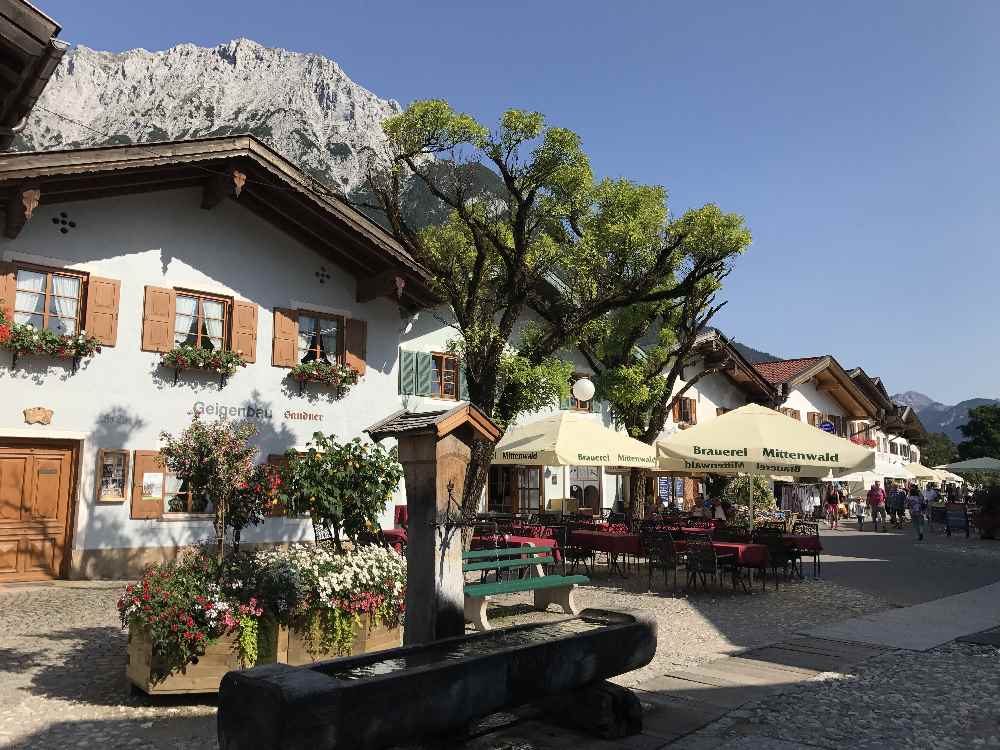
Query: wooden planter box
{"points": [[277, 644]]}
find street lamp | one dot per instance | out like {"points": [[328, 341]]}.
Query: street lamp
{"points": [[583, 389]]}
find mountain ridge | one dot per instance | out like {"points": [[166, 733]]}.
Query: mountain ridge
{"points": [[939, 417]]}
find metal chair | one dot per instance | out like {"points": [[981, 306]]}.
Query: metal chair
{"points": [[662, 553], [703, 562], [809, 528], [778, 552]]}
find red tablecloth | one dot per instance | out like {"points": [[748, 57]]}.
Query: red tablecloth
{"points": [[602, 541], [747, 554], [689, 529], [401, 516], [808, 542]]}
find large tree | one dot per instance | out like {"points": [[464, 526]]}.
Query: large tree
{"points": [[938, 449], [982, 433], [547, 239]]}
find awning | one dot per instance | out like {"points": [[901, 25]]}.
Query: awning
{"points": [[983, 465]]}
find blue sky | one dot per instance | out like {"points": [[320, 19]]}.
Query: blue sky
{"points": [[861, 140]]}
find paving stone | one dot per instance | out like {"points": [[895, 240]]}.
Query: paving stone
{"points": [[795, 659], [669, 687]]}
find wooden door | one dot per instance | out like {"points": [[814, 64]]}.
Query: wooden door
{"points": [[35, 484]]}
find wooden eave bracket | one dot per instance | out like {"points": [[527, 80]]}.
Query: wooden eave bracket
{"points": [[20, 207], [385, 284], [219, 187]]}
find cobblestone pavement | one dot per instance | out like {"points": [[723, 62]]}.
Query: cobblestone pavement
{"points": [[892, 701], [62, 677]]}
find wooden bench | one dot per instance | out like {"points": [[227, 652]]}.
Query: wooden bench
{"points": [[549, 589]]}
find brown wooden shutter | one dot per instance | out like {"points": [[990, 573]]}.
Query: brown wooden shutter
{"points": [[677, 411], [285, 342], [693, 409], [245, 330], [8, 283], [356, 344], [102, 309], [146, 507], [815, 418], [158, 315]]}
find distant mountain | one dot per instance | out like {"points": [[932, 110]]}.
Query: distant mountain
{"points": [[754, 355], [938, 417]]}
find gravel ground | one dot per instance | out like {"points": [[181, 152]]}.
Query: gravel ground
{"points": [[706, 625], [893, 701], [62, 677]]}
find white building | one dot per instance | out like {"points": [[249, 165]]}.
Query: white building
{"points": [[218, 242]]}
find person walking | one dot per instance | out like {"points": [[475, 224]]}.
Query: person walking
{"points": [[876, 501], [832, 506], [897, 505], [918, 511], [858, 511]]}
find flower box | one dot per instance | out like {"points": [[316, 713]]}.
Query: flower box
{"points": [[23, 340], [284, 645], [331, 374], [293, 648], [186, 357], [143, 668]]}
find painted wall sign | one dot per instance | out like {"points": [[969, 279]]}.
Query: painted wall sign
{"points": [[303, 416], [246, 411], [38, 415], [827, 427]]}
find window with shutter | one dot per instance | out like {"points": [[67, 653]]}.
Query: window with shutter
{"points": [[692, 411], [245, 330], [48, 298], [356, 344], [279, 461], [285, 338], [425, 374], [7, 286], [158, 315], [407, 373], [148, 475], [102, 309]]}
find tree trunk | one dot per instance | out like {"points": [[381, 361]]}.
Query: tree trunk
{"points": [[220, 530], [476, 477], [636, 493]]}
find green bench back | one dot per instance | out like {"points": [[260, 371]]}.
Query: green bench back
{"points": [[493, 554]]}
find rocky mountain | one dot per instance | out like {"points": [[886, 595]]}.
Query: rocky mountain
{"points": [[754, 356], [938, 417], [302, 105]]}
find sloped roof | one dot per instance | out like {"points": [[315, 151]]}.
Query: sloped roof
{"points": [[273, 188], [785, 369], [439, 422]]}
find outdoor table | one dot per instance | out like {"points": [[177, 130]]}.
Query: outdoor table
{"points": [[613, 544], [808, 542], [748, 555]]}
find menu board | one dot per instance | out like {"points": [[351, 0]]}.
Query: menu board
{"points": [[663, 486]]}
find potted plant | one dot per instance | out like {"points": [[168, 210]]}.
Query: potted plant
{"points": [[185, 633], [328, 603], [24, 339]]}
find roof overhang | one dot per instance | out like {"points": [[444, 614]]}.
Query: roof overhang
{"points": [[29, 53], [240, 168], [875, 392], [718, 351], [831, 378]]}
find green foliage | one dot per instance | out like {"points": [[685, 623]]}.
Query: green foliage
{"points": [[748, 491], [23, 339], [982, 433], [938, 449], [187, 357], [249, 504], [217, 460], [341, 485], [333, 374]]}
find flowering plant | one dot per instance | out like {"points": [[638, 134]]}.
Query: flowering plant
{"points": [[217, 460], [252, 500], [23, 338], [187, 357], [332, 374], [324, 594], [867, 442], [181, 607]]}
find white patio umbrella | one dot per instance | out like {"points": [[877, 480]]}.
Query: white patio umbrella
{"points": [[756, 440], [983, 465], [922, 473], [569, 439]]}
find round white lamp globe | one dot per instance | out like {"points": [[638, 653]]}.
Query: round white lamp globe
{"points": [[583, 389]]}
